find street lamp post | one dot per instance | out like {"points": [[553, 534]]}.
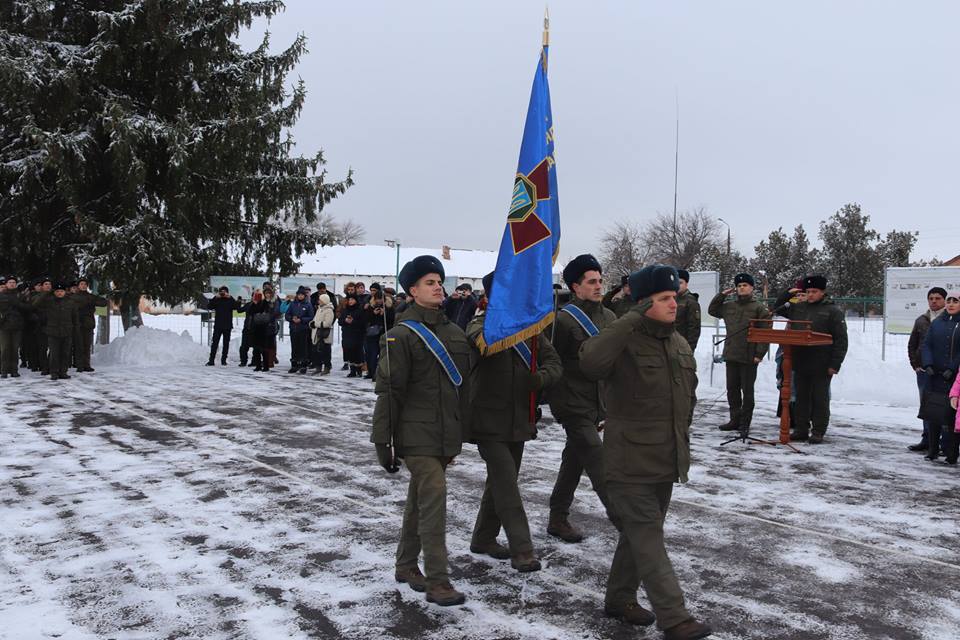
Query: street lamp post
{"points": [[396, 276]]}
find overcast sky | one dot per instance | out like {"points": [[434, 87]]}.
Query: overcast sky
{"points": [[788, 110]]}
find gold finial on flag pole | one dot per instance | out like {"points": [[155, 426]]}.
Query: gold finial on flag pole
{"points": [[546, 26]]}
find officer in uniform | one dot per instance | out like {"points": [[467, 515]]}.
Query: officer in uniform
{"points": [[741, 357], [688, 311], [575, 401], [86, 304], [618, 299], [61, 322], [422, 407], [42, 290], [814, 367], [650, 392], [500, 388], [12, 313]]}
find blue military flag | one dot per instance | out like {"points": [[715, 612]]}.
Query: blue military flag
{"points": [[521, 302]]}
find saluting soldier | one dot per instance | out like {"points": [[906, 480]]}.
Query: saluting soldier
{"points": [[421, 417], [814, 367], [61, 320], [741, 357], [618, 299], [86, 303], [650, 392], [688, 311], [12, 312], [500, 388], [575, 401]]}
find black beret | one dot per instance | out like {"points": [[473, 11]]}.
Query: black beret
{"points": [[683, 274], [624, 280], [579, 266], [60, 285], [653, 279], [815, 282], [488, 284], [419, 267], [744, 278], [940, 290], [46, 279]]}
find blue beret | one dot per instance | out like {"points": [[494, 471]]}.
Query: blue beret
{"points": [[419, 267], [653, 279]]}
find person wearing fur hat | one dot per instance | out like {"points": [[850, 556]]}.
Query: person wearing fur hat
{"points": [[574, 400], [619, 299], [688, 311], [741, 357], [13, 311], [61, 321], [814, 367], [501, 384], [421, 417], [650, 384]]}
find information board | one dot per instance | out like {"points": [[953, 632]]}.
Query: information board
{"points": [[905, 293]]}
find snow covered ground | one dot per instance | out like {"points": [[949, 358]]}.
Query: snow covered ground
{"points": [[165, 499]]}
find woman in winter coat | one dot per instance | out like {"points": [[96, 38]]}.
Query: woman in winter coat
{"points": [[263, 315], [378, 317], [352, 332], [321, 333], [940, 358]]}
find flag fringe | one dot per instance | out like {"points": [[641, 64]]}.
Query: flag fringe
{"points": [[506, 343]]}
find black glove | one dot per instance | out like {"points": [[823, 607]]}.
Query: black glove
{"points": [[312, 325], [387, 459], [929, 371], [947, 375]]}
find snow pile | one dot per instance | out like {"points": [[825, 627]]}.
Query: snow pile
{"points": [[141, 346]]}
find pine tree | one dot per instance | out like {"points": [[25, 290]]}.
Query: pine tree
{"points": [[141, 144]]}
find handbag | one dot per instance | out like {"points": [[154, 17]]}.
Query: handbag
{"points": [[935, 407]]}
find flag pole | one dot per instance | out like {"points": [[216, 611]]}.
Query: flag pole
{"points": [[535, 340]]}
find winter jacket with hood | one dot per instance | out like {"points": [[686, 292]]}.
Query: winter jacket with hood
{"points": [[325, 318], [299, 309]]}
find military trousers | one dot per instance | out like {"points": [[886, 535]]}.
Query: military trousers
{"points": [[10, 350], [425, 519], [583, 452], [59, 354], [741, 379], [42, 347], [641, 555], [84, 346], [813, 401], [501, 504]]}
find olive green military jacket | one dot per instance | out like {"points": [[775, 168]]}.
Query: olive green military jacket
{"points": [[574, 397], [60, 314], [688, 318], [736, 315], [416, 401], [500, 387], [619, 306], [87, 304], [13, 311], [650, 392], [826, 317]]}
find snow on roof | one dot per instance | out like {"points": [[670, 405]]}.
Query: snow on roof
{"points": [[377, 260]]}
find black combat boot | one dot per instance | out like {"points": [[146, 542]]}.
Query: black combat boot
{"points": [[799, 436], [210, 362], [353, 372], [733, 424]]}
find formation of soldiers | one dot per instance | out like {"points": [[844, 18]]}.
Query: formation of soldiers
{"points": [[632, 377], [46, 327]]}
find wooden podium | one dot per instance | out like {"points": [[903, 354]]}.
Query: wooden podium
{"points": [[762, 331]]}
